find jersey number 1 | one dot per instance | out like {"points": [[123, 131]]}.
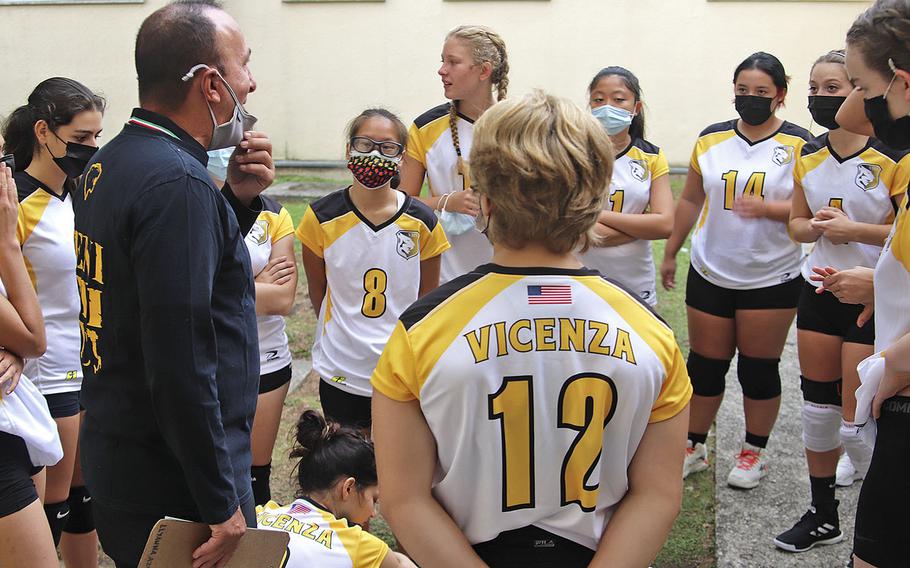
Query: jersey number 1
{"points": [[755, 187], [587, 402], [375, 282]]}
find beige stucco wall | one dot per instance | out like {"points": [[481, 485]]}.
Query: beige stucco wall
{"points": [[319, 64]]}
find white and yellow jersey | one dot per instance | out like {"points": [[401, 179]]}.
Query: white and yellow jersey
{"points": [[865, 186], [631, 264], [318, 539], [372, 274], [430, 143], [731, 251], [537, 385], [273, 224], [892, 283], [45, 232]]}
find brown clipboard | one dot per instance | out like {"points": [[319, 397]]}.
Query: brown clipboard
{"points": [[172, 542]]}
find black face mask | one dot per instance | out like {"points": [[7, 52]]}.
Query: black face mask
{"points": [[754, 110], [77, 157], [894, 133], [823, 110]]}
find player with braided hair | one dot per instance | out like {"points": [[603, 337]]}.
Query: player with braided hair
{"points": [[474, 65]]}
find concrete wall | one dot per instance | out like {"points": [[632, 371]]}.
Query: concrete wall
{"points": [[318, 64]]}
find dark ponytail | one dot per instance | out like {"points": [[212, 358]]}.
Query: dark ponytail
{"points": [[328, 452], [56, 101], [637, 128]]}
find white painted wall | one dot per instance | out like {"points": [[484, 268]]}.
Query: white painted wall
{"points": [[319, 64]]}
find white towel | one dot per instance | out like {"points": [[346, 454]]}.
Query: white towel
{"points": [[24, 413], [871, 372]]}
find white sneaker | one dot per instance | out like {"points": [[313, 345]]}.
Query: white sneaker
{"points": [[696, 458], [846, 473], [750, 467]]}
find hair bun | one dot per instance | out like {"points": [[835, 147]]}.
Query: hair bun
{"points": [[313, 432]]}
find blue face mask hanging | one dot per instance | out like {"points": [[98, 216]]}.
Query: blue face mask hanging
{"points": [[613, 119]]}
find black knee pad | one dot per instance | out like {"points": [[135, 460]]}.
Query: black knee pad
{"points": [[818, 392], [80, 519], [57, 516], [760, 378], [262, 493], [707, 375]]}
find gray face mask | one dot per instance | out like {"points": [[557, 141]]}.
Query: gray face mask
{"points": [[230, 133]]}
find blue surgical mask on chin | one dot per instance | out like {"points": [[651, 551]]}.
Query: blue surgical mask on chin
{"points": [[613, 119], [218, 162]]}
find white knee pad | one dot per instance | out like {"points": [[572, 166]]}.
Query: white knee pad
{"points": [[860, 453], [821, 427]]}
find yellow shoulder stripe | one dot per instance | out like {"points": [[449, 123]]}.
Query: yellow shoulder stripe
{"points": [[420, 140], [707, 142], [806, 164], [900, 242], [31, 209]]}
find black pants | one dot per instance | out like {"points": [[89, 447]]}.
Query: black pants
{"points": [[123, 534]]}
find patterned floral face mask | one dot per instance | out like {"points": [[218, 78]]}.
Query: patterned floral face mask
{"points": [[373, 170]]}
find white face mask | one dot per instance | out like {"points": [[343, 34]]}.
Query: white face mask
{"points": [[218, 162], [230, 133]]}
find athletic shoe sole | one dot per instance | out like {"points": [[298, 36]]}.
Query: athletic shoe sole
{"points": [[740, 484], [792, 548], [853, 480]]}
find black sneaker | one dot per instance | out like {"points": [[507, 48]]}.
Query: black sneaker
{"points": [[815, 527]]}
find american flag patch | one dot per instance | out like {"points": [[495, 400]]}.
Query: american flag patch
{"points": [[550, 294], [299, 508]]}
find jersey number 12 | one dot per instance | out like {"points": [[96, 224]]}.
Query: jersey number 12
{"points": [[587, 402]]}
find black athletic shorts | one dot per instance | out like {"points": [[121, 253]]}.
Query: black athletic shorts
{"points": [[17, 490], [274, 380], [345, 408], [63, 404], [826, 314], [880, 536], [723, 302], [533, 547]]}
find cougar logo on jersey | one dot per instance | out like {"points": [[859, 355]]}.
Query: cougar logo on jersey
{"points": [[91, 179], [868, 176], [639, 169], [260, 232], [782, 155], [407, 245]]}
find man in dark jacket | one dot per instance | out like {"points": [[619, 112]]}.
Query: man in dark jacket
{"points": [[169, 344]]}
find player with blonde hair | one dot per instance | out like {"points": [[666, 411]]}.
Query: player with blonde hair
{"points": [[474, 65], [530, 412]]}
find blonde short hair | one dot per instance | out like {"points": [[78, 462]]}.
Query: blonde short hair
{"points": [[545, 165]]}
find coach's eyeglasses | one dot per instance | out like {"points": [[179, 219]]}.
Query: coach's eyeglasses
{"points": [[387, 148]]}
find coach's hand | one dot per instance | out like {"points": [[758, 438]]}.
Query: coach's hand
{"points": [[251, 168], [219, 548], [852, 286], [892, 383]]}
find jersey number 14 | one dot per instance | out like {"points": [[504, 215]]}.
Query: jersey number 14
{"points": [[755, 187], [587, 402]]}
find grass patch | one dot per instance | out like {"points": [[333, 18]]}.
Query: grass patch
{"points": [[303, 178]]}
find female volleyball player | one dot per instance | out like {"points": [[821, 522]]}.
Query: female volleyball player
{"points": [[743, 283], [640, 206], [369, 251], [531, 413], [337, 491], [474, 64], [53, 136], [847, 188]]}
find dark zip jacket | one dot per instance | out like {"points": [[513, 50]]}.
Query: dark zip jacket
{"points": [[169, 342]]}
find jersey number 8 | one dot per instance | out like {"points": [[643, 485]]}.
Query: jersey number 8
{"points": [[375, 282], [587, 402]]}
